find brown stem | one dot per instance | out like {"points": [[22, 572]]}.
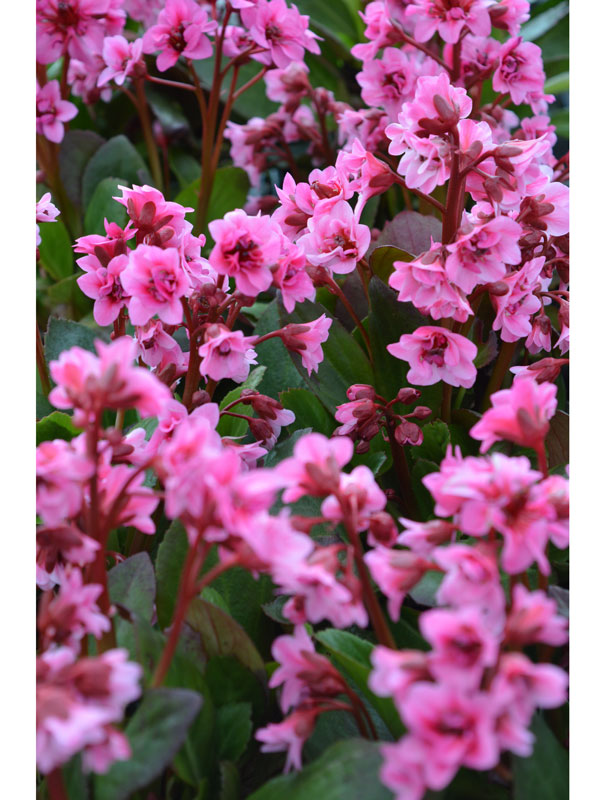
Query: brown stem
{"points": [[41, 361], [431, 200], [501, 367], [143, 111], [446, 403], [402, 474], [249, 83], [361, 708], [452, 217], [173, 84], [56, 785]]}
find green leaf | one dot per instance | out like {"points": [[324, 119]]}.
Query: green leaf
{"points": [[344, 361], [544, 22], [167, 110], [223, 636], [409, 231], [471, 785], [420, 468], [67, 293], [425, 590], [76, 149], [353, 657], [56, 253], [231, 786], [560, 119], [382, 260], [56, 425], [348, 770], [229, 191], [62, 334], [436, 438], [232, 426], [557, 440], [335, 21], [132, 585], [169, 565], [102, 206], [557, 84], [545, 774], [156, 732], [233, 730], [281, 373], [309, 411], [116, 157]]}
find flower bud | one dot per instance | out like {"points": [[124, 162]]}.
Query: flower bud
{"points": [[408, 395]]}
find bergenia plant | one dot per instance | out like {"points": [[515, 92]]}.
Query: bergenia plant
{"points": [[302, 351]]}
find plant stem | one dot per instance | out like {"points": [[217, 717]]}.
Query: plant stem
{"points": [[41, 362], [402, 474], [173, 84], [505, 357], [348, 306], [56, 785], [142, 106], [446, 403]]}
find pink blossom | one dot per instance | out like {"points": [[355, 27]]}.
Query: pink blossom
{"points": [[533, 618], [65, 618], [463, 645], [423, 537], [449, 18], [315, 466], [157, 348], [549, 210], [360, 419], [509, 15], [157, 221], [550, 499], [436, 108], [336, 240], [114, 243], [52, 112], [281, 30], [61, 475], [520, 70], [301, 670], [289, 85], [456, 728], [520, 414], [515, 308], [45, 210], [306, 340], [362, 494], [122, 58], [139, 502], [540, 336], [226, 354], [180, 30], [527, 686], [271, 416], [425, 162], [156, 282], [103, 284], [379, 31], [437, 354], [367, 124], [144, 11], [395, 572], [289, 736], [291, 277], [90, 383], [403, 770], [78, 699], [396, 671], [364, 173], [247, 249], [472, 578], [57, 546], [77, 27], [389, 81]]}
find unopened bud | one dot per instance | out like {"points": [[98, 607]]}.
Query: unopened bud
{"points": [[498, 288], [421, 412], [200, 397], [360, 391], [382, 529], [408, 395], [408, 433]]}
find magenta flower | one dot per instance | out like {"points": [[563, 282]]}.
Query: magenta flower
{"points": [[103, 284], [449, 17], [155, 282], [520, 70], [61, 474], [390, 81], [75, 26], [361, 491], [281, 30], [336, 240], [436, 354], [520, 414], [246, 249], [122, 58], [403, 769], [396, 671], [289, 736], [533, 618], [307, 339], [156, 221], [315, 466], [226, 354], [509, 15], [52, 112], [180, 30], [472, 579], [291, 277], [437, 106], [395, 572]]}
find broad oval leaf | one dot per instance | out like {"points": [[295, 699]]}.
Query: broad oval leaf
{"points": [[132, 584]]}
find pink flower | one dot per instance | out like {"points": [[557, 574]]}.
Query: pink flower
{"points": [[520, 70], [45, 210], [247, 249], [463, 645], [76, 26], [58, 546], [180, 30], [289, 85], [302, 671], [509, 15], [157, 348], [77, 700], [270, 416], [291, 277], [61, 475], [550, 499], [52, 112], [145, 11], [281, 30], [395, 572], [533, 618], [139, 502], [390, 80], [436, 108], [457, 730], [90, 383], [423, 537], [103, 284], [480, 253], [425, 162], [65, 618], [364, 173], [526, 686], [335, 239], [361, 492], [396, 671], [315, 466], [403, 769], [156, 282], [226, 354], [306, 340], [122, 58], [520, 414], [157, 221], [436, 354], [549, 210], [289, 736], [472, 579], [448, 18], [515, 308]]}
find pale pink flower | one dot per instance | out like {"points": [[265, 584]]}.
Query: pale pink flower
{"points": [[360, 419], [449, 18], [395, 572], [157, 348], [533, 618], [246, 249], [457, 729], [463, 646], [52, 112], [306, 339], [99, 757], [379, 30], [520, 70], [389, 81], [281, 30], [425, 162], [144, 11], [180, 30], [113, 243], [396, 671], [103, 284], [363, 173], [335, 239], [437, 354], [289, 85], [123, 59], [520, 414], [61, 473], [361, 492], [315, 466], [289, 736], [226, 354], [549, 210], [550, 499], [156, 282], [45, 210]]}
